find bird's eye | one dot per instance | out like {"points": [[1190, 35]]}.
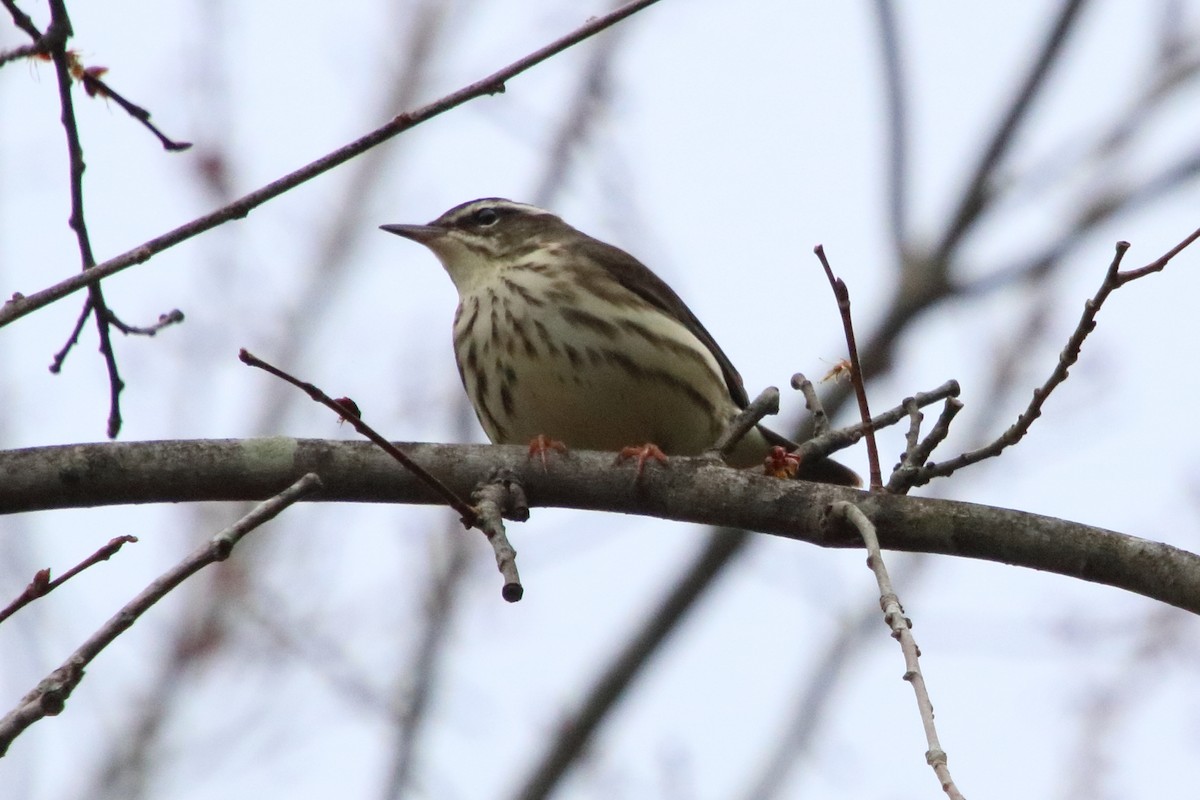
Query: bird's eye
{"points": [[486, 217]]}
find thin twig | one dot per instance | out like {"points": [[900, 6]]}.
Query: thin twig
{"points": [[918, 452], [78, 223], [901, 626], [24, 22], [766, 403], [839, 438], [1114, 279], [41, 585], [911, 439], [172, 317], [49, 697], [498, 497], [24, 51], [492, 84], [93, 84], [842, 293], [469, 515], [816, 409]]}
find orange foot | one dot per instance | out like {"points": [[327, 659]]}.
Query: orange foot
{"points": [[541, 443], [781, 464], [642, 453]]}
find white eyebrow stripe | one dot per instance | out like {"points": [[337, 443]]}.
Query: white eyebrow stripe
{"points": [[466, 209]]}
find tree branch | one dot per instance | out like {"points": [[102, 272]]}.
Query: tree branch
{"points": [[20, 304], [693, 490]]}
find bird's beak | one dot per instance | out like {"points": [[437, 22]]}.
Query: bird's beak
{"points": [[424, 234]]}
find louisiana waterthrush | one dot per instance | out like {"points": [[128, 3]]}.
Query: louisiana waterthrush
{"points": [[560, 335]]}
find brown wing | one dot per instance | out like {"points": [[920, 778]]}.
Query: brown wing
{"points": [[637, 278]]}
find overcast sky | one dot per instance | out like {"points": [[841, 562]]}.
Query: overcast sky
{"points": [[729, 139]]}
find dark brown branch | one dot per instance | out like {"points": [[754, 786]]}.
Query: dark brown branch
{"points": [[492, 84], [24, 51], [95, 302], [93, 84], [25, 23]]}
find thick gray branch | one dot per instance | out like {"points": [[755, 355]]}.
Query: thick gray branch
{"points": [[692, 490]]}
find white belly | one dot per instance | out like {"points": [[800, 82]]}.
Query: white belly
{"points": [[595, 376]]}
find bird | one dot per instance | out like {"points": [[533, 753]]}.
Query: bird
{"points": [[560, 337]]}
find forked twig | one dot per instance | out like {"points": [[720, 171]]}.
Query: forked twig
{"points": [[21, 304], [1114, 279], [501, 496]]}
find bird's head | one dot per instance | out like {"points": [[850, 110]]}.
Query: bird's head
{"points": [[476, 240]]}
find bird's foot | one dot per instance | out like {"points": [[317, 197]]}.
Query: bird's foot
{"points": [[540, 444], [642, 453]]}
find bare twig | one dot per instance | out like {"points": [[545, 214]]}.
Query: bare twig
{"points": [[1114, 279], [842, 293], [766, 403], [498, 497], [24, 51], [918, 452], [25, 23], [816, 409], [49, 697], [492, 84], [837, 439], [470, 516], [95, 302], [901, 626], [41, 585], [93, 84], [72, 340], [172, 317]]}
